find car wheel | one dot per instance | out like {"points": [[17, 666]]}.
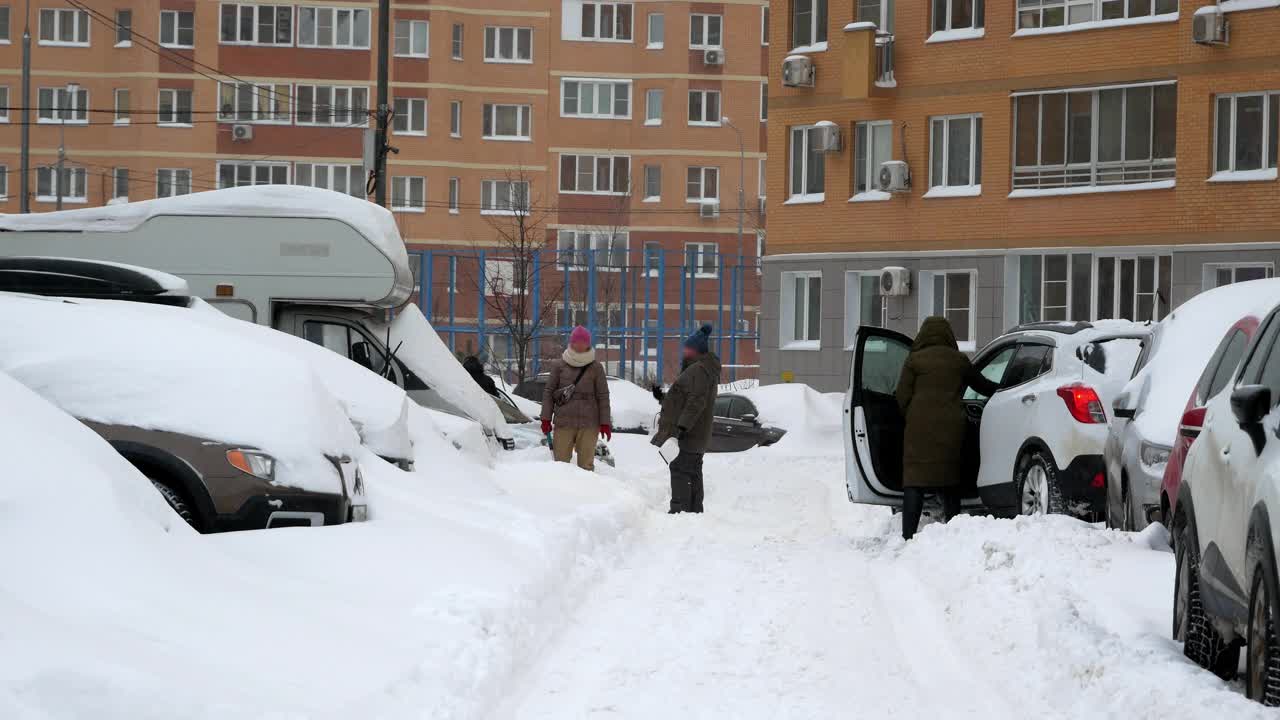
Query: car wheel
{"points": [[1202, 642], [178, 503], [1127, 522], [1262, 663], [1036, 480]]}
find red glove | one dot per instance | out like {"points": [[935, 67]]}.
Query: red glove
{"points": [[546, 426], [607, 431]]}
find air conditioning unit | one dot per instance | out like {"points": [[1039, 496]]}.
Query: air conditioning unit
{"points": [[713, 57], [241, 133], [826, 137], [709, 209], [895, 176], [895, 281], [1209, 26], [797, 71]]}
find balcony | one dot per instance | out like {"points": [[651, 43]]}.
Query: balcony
{"points": [[868, 62]]}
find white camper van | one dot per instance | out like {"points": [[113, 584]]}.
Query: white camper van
{"points": [[317, 264]]}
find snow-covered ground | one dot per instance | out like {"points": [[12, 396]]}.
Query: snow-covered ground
{"points": [[535, 590]]}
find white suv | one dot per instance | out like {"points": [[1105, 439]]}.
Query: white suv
{"points": [[1034, 447], [1225, 589]]}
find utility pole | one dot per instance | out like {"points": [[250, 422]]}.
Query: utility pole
{"points": [[24, 202], [384, 109]]}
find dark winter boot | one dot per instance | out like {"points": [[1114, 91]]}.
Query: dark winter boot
{"points": [[912, 507]]}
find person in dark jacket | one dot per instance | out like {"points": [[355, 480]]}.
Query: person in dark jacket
{"points": [[576, 402], [687, 412], [929, 394], [475, 368]]}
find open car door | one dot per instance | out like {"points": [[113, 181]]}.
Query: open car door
{"points": [[873, 425]]}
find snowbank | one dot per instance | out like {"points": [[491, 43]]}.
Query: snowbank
{"points": [[813, 420], [153, 367], [631, 405]]}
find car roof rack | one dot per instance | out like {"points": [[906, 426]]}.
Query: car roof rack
{"points": [[1063, 327], [90, 279]]}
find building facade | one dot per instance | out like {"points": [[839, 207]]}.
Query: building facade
{"points": [[1064, 160], [592, 130]]}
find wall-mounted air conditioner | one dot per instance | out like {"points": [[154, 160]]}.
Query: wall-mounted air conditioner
{"points": [[241, 133], [1209, 26], [895, 176], [895, 281], [709, 209], [797, 71], [713, 57]]}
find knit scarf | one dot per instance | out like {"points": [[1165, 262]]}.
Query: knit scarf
{"points": [[577, 359]]}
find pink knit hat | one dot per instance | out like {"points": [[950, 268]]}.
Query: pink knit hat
{"points": [[580, 335]]}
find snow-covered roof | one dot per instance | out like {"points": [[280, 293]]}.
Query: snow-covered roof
{"points": [[288, 201]]}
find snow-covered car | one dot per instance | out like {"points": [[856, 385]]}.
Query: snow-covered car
{"points": [[1226, 588], [234, 435], [1034, 447], [1146, 414], [737, 426]]}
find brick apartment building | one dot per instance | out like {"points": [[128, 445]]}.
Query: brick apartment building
{"points": [[1068, 159], [602, 118]]}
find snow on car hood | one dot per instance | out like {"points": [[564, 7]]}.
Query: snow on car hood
{"points": [[150, 366]]}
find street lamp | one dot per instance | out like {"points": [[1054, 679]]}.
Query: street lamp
{"points": [[73, 91], [738, 290]]}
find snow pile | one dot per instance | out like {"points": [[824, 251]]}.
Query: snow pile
{"points": [[1185, 340], [151, 367], [631, 405], [813, 420]]}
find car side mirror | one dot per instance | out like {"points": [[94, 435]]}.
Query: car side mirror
{"points": [[1250, 404], [1192, 422], [751, 418]]}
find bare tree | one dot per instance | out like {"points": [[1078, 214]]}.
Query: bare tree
{"points": [[609, 261]]}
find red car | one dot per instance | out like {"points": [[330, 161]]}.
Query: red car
{"points": [[1217, 373]]}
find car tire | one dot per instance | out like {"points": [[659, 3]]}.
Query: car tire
{"points": [[1262, 663], [1035, 479], [178, 503], [1127, 522], [1202, 643]]}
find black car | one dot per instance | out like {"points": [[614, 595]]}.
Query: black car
{"points": [[737, 426]]}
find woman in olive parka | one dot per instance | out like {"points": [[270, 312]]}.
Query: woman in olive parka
{"points": [[929, 394]]}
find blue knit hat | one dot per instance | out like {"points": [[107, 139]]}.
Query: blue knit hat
{"points": [[698, 341]]}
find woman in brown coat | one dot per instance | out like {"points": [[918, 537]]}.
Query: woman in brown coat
{"points": [[929, 394], [576, 402]]}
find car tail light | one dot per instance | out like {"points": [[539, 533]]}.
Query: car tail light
{"points": [[1083, 403], [1192, 422]]}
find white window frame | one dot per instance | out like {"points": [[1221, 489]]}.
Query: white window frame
{"points": [[4, 103], [455, 118], [762, 181], [815, 24], [884, 11], [939, 186], [806, 193], [342, 99], [976, 27], [872, 167], [176, 178], [457, 37], [657, 171], [176, 16], [764, 101], [661, 41], [650, 118], [409, 127], [353, 14], [580, 84], [703, 172], [416, 29], [256, 9], [5, 26], [1028, 9], [79, 19], [1116, 299], [929, 301], [764, 25], [1210, 271], [1268, 169], [254, 166], [705, 20], [455, 195], [493, 44], [124, 28], [699, 251], [489, 203], [593, 161], [172, 120], [123, 114], [52, 114], [703, 95], [73, 174], [853, 280], [524, 121], [598, 22], [309, 175], [788, 339], [278, 97], [404, 187], [573, 242], [4, 182], [119, 175]]}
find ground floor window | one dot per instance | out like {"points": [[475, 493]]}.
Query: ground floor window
{"points": [[1133, 287], [863, 304], [1063, 287], [952, 294], [1217, 275], [801, 310], [1054, 287]]}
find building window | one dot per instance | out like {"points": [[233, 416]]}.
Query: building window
{"points": [[1246, 133], [456, 38], [455, 118], [256, 24], [4, 182], [580, 249], [410, 116], [177, 28], [760, 184], [960, 14], [764, 25], [702, 184], [1057, 13], [348, 179], [171, 182], [72, 182], [408, 194], [808, 23], [4, 103], [1107, 136], [879, 12], [800, 314], [657, 31], [1219, 275], [595, 99], [864, 306], [1055, 287], [243, 174], [705, 31], [120, 184], [704, 107], [504, 197], [175, 107], [64, 27], [329, 105], [245, 102], [653, 256], [343, 28], [455, 189], [652, 183], [955, 151], [124, 28], [873, 145], [702, 259], [1133, 287], [56, 105], [4, 37], [653, 106], [954, 296], [508, 44], [122, 106], [507, 122], [595, 174], [764, 102], [606, 21], [412, 38], [808, 164]]}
